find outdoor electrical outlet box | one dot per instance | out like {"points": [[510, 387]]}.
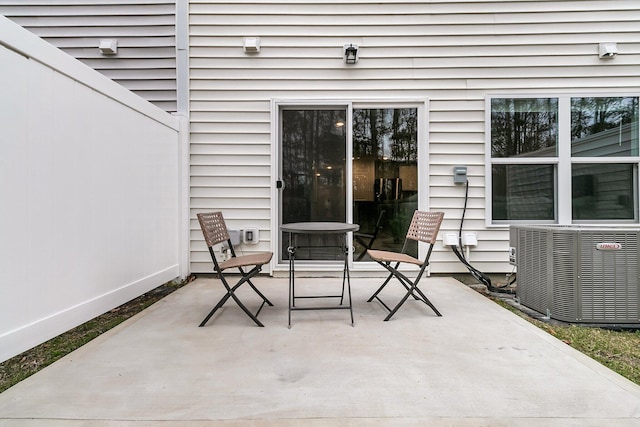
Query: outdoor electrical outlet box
{"points": [[235, 237], [250, 235], [469, 239], [450, 239], [459, 174], [512, 255]]}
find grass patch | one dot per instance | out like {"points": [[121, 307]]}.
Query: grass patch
{"points": [[22, 366]]}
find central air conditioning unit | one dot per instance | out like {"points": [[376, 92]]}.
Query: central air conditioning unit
{"points": [[578, 274]]}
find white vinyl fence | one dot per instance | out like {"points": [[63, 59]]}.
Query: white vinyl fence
{"points": [[90, 203]]}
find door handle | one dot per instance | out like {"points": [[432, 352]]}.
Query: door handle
{"points": [[280, 184]]}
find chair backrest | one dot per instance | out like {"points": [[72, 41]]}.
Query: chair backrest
{"points": [[424, 226], [213, 228]]}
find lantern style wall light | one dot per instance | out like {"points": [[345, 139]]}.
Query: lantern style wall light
{"points": [[350, 52]]}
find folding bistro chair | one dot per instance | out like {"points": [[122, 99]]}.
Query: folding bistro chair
{"points": [[367, 239], [423, 228], [215, 231]]}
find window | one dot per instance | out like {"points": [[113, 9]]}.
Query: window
{"points": [[526, 127], [563, 159], [604, 127]]}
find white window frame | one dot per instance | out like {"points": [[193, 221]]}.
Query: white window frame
{"points": [[562, 163]]}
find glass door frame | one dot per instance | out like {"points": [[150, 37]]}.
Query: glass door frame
{"points": [[277, 106]]}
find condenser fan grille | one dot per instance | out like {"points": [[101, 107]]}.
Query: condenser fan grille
{"points": [[579, 274]]}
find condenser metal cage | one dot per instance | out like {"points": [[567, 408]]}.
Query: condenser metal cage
{"points": [[578, 274]]}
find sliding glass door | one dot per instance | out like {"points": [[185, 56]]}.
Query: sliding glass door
{"points": [[313, 175], [348, 165], [385, 177]]}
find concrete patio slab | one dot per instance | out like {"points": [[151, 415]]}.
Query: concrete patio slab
{"points": [[479, 364]]}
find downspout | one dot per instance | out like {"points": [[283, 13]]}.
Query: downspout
{"points": [[182, 107], [182, 56]]}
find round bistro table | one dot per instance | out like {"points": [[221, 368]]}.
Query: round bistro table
{"points": [[297, 228]]}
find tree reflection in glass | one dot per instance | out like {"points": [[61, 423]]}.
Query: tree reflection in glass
{"points": [[385, 175], [524, 127], [313, 171], [604, 127]]}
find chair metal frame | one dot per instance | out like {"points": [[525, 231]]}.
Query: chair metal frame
{"points": [[215, 231], [424, 227], [371, 237]]}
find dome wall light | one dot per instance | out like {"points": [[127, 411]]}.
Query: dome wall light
{"points": [[607, 50], [351, 53], [251, 44]]}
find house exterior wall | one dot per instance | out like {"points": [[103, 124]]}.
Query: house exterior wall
{"points": [[145, 62], [451, 53], [90, 190]]}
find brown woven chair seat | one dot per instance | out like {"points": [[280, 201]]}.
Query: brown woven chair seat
{"points": [[259, 258], [386, 256]]}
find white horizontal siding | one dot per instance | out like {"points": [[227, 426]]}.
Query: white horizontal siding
{"points": [[451, 52], [207, 182], [228, 171], [224, 204], [227, 149], [145, 30]]}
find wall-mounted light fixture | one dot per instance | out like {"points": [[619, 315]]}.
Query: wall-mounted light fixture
{"points": [[351, 53], [607, 50], [108, 46], [251, 44]]}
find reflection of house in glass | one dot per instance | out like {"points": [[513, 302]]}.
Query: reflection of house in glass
{"points": [[599, 190], [530, 192], [621, 141], [604, 191]]}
